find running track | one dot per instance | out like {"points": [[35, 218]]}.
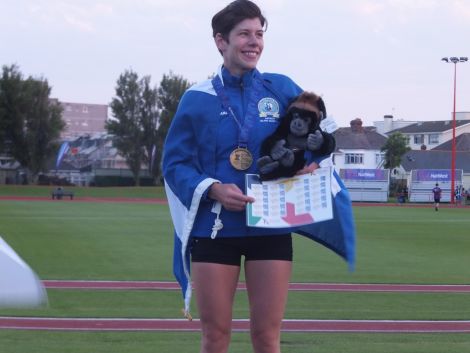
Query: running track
{"points": [[119, 324], [316, 287], [80, 324], [97, 324]]}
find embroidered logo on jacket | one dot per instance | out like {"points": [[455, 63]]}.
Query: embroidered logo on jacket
{"points": [[268, 107]]}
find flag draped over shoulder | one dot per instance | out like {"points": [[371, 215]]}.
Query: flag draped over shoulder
{"points": [[181, 271], [183, 219], [338, 233]]}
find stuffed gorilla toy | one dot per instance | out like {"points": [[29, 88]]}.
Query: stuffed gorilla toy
{"points": [[282, 153]]}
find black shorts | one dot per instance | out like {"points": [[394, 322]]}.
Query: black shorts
{"points": [[229, 251]]}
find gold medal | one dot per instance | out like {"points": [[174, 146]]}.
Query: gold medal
{"points": [[241, 158]]}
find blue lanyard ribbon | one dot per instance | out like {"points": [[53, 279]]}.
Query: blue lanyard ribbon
{"points": [[252, 107]]}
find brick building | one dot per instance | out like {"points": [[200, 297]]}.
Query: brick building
{"points": [[83, 119]]}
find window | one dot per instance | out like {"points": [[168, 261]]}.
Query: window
{"points": [[418, 139], [433, 139], [354, 158], [379, 157], [85, 109]]}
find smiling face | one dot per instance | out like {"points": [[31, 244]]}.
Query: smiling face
{"points": [[243, 47]]}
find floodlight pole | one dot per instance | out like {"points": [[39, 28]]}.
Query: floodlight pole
{"points": [[454, 60]]}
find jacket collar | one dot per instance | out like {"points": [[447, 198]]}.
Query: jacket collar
{"points": [[230, 80]]}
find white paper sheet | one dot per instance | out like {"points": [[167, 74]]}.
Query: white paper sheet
{"points": [[289, 202]]}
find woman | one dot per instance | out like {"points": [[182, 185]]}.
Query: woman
{"points": [[212, 143]]}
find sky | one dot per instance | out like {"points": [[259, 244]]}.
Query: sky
{"points": [[366, 58]]}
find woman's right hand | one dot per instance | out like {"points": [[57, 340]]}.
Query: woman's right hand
{"points": [[230, 196]]}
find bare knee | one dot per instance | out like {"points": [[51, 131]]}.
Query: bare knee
{"points": [[266, 339], [215, 338]]}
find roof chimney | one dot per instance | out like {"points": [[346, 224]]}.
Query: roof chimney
{"points": [[388, 123], [356, 125]]}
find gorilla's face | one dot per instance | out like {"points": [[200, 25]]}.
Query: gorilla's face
{"points": [[303, 121]]}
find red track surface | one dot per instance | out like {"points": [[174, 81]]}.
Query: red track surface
{"points": [[99, 324], [317, 287], [80, 324]]}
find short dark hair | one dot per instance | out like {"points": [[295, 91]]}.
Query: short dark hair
{"points": [[234, 13]]}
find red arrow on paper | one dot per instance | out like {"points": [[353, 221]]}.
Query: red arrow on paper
{"points": [[292, 218]]}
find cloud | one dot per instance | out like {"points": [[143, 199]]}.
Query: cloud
{"points": [[409, 10], [83, 26], [392, 19], [461, 9], [82, 16], [394, 7]]}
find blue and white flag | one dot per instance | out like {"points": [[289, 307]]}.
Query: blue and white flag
{"points": [[62, 151], [183, 220], [339, 233]]}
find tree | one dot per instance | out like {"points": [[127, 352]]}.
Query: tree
{"points": [[170, 92], [395, 147], [135, 115], [41, 131], [149, 121], [142, 116], [11, 106], [31, 121]]}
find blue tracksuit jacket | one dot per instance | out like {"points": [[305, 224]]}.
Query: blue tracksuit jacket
{"points": [[196, 154]]}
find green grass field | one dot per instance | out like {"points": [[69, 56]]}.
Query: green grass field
{"points": [[45, 191], [127, 241]]}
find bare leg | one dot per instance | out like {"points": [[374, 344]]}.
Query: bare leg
{"points": [[215, 286], [267, 284]]}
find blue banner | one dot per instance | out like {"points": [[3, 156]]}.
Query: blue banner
{"points": [[364, 174], [434, 175]]}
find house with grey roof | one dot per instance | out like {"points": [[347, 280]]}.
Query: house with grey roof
{"points": [[358, 147], [440, 158], [430, 134], [389, 123], [435, 159], [359, 160], [462, 143]]}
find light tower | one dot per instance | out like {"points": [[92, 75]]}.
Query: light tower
{"points": [[454, 60]]}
